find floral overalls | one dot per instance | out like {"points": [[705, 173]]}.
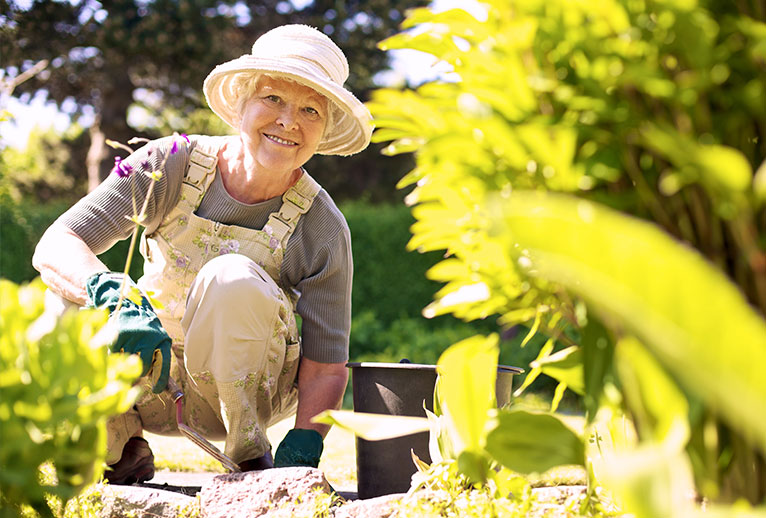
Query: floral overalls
{"points": [[238, 410]]}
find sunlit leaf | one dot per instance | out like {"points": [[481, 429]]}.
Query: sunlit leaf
{"points": [[474, 465], [373, 427], [565, 366], [533, 443], [545, 351], [558, 395], [598, 351], [657, 405], [467, 373], [649, 481], [532, 330], [723, 170], [683, 309]]}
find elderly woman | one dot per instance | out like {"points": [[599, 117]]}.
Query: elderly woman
{"points": [[239, 238]]}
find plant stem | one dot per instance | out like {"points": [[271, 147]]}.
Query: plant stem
{"points": [[137, 221], [127, 266]]}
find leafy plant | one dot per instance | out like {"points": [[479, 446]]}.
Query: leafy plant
{"points": [[467, 433], [596, 172], [58, 385]]}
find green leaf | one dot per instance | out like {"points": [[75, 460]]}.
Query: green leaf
{"points": [[532, 330], [725, 166], [659, 409], [723, 170], [466, 389], [650, 481], [565, 366], [545, 351], [439, 444], [598, 352], [687, 313], [526, 442], [475, 466], [373, 427]]}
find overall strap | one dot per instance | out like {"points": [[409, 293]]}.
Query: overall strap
{"points": [[201, 169], [296, 201]]}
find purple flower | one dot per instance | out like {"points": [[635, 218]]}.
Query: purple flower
{"points": [[120, 169], [174, 147]]}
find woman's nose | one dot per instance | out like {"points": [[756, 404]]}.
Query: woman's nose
{"points": [[288, 117]]}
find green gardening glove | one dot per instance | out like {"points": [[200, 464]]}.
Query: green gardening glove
{"points": [[300, 447], [139, 330]]}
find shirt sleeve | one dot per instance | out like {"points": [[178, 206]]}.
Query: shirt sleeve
{"points": [[325, 301], [103, 217]]}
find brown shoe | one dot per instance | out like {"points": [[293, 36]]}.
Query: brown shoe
{"points": [[135, 466], [264, 462]]}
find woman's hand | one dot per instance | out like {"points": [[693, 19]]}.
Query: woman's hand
{"points": [[139, 330], [320, 387], [66, 265]]}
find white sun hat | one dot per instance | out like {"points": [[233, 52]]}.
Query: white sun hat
{"points": [[309, 57]]}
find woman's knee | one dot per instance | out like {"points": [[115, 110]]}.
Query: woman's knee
{"points": [[234, 277], [232, 291]]}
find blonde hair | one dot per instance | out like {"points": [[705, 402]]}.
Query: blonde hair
{"points": [[245, 86]]}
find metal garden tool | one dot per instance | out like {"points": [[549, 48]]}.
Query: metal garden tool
{"points": [[177, 394]]}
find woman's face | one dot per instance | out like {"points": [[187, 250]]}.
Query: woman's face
{"points": [[282, 124]]}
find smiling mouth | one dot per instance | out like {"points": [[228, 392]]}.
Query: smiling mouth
{"points": [[279, 140]]}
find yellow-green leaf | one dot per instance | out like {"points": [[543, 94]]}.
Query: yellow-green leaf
{"points": [[682, 308], [466, 389], [533, 443], [373, 427]]}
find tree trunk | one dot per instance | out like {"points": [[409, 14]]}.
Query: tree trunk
{"points": [[95, 154]]}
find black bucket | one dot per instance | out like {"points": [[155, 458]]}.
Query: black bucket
{"points": [[386, 467]]}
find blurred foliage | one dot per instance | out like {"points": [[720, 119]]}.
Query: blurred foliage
{"points": [[383, 269], [58, 386], [113, 57], [44, 169], [21, 226], [647, 120]]}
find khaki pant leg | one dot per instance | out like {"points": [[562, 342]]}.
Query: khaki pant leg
{"points": [[241, 350]]}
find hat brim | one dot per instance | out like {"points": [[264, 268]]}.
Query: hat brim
{"points": [[352, 122]]}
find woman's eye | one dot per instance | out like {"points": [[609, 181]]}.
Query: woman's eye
{"points": [[312, 112], [273, 98]]}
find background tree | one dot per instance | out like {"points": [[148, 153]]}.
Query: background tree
{"points": [[104, 57]]}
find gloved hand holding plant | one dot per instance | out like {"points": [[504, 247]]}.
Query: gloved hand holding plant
{"points": [[139, 330]]}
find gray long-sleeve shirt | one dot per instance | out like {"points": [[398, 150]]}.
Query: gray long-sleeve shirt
{"points": [[317, 262]]}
